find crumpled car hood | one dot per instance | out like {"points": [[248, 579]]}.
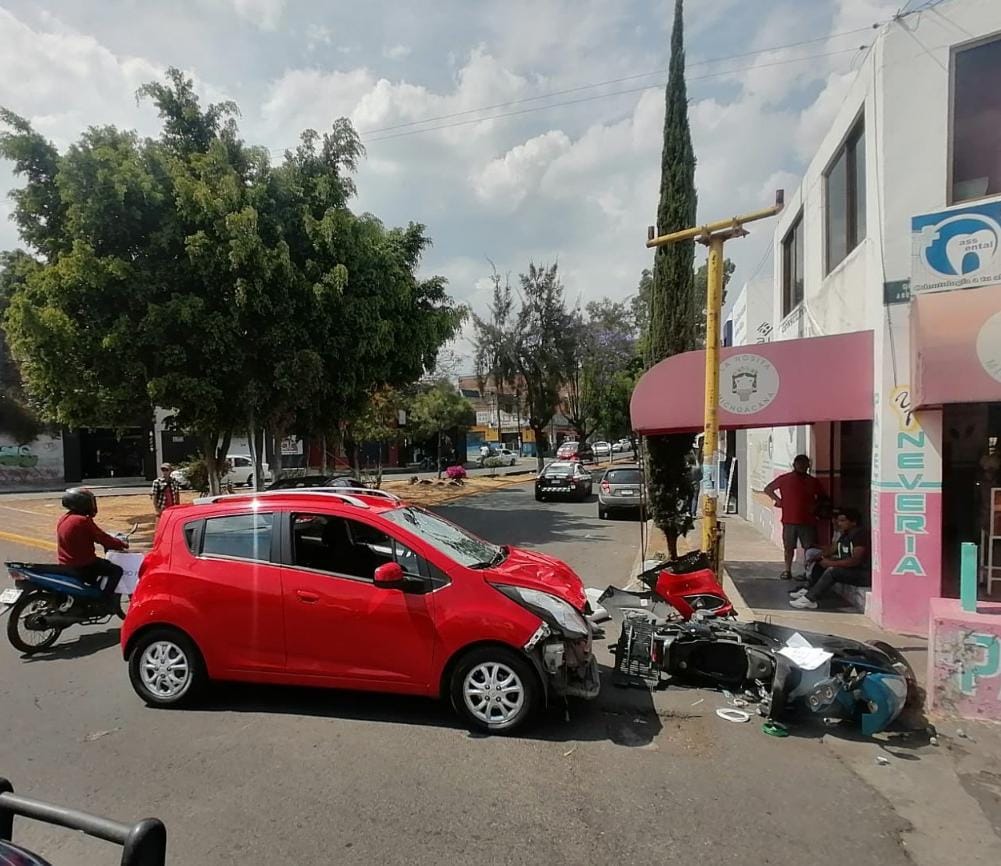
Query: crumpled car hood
{"points": [[538, 571]]}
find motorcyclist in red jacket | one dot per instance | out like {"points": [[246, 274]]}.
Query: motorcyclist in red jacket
{"points": [[77, 534]]}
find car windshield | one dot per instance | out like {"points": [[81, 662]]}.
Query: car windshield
{"points": [[623, 476], [447, 538]]}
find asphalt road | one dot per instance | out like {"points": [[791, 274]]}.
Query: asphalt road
{"points": [[271, 775]]}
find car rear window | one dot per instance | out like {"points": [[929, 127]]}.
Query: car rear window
{"points": [[242, 536], [558, 471], [624, 476]]}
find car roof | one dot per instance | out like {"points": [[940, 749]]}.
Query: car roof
{"points": [[560, 464], [632, 466], [368, 501]]}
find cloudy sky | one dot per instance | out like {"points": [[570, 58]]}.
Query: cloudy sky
{"points": [[515, 130]]}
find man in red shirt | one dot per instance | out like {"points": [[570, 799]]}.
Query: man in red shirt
{"points": [[797, 493], [77, 534]]}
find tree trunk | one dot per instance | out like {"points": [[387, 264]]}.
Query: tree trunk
{"points": [[438, 454], [323, 458], [277, 435], [222, 463], [540, 446], [255, 457], [672, 545], [209, 456], [497, 397]]}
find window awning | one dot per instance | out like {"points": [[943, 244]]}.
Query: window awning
{"points": [[956, 346], [764, 385]]}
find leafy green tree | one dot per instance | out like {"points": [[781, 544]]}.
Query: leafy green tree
{"points": [[603, 344], [187, 272], [494, 357], [540, 344], [673, 307], [438, 409]]}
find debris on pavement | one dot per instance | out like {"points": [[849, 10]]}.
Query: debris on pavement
{"points": [[775, 729], [882, 760], [732, 715]]}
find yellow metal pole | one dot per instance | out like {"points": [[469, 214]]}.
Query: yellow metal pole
{"points": [[714, 303]]}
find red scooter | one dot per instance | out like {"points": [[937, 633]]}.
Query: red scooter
{"points": [[678, 590]]}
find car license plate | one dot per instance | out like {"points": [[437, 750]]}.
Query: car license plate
{"points": [[627, 493], [9, 596]]}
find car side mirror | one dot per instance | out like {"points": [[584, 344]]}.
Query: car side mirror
{"points": [[389, 576]]}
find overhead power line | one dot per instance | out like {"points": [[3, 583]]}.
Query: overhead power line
{"points": [[656, 86], [608, 81]]}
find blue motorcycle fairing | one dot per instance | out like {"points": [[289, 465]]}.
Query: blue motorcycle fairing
{"points": [[56, 578], [886, 695]]}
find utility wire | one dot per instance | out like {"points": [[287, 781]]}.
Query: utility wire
{"points": [[656, 86], [624, 78]]}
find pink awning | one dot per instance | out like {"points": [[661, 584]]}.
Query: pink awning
{"points": [[764, 385], [956, 346]]}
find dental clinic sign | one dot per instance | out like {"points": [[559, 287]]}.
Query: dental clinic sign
{"points": [[956, 249]]}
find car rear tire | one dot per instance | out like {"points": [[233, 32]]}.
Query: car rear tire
{"points": [[166, 668], [539, 497], [495, 690], [602, 513]]}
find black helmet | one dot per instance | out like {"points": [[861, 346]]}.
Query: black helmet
{"points": [[79, 500]]}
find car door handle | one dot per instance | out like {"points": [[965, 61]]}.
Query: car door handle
{"points": [[307, 597]]}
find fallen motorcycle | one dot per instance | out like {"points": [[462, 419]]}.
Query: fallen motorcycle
{"points": [[683, 629], [675, 591], [46, 599]]}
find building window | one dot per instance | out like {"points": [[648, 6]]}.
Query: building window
{"points": [[976, 122], [792, 267], [845, 199]]}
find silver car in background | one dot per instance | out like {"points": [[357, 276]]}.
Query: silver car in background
{"points": [[621, 488]]}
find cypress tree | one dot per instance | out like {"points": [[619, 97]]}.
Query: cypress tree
{"points": [[673, 305]]}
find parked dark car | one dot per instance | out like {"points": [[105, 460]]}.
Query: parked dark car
{"points": [[302, 481], [563, 478]]}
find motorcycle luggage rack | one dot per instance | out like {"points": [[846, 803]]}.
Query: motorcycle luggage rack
{"points": [[143, 843], [634, 662]]}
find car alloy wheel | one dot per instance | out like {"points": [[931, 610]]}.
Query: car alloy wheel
{"points": [[165, 670], [495, 689], [494, 694]]}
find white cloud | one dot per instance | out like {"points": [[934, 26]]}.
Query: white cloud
{"points": [[396, 52], [508, 179], [266, 14], [64, 81]]}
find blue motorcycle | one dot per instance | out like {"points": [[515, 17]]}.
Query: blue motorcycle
{"points": [[47, 599]]}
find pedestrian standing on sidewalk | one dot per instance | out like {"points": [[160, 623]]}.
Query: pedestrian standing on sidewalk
{"points": [[166, 490], [798, 494]]}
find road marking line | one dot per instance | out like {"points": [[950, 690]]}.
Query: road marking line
{"points": [[23, 511], [27, 540]]}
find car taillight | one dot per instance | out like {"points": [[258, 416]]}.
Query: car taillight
{"points": [[606, 487]]}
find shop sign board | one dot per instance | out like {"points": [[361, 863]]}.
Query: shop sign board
{"points": [[957, 248]]}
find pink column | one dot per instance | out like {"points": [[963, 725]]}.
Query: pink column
{"points": [[907, 514]]}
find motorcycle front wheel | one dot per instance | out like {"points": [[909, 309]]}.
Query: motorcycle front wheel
{"points": [[21, 637]]}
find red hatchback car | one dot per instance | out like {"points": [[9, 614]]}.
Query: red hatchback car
{"points": [[354, 590]]}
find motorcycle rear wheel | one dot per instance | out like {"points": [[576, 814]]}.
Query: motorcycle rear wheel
{"points": [[26, 640]]}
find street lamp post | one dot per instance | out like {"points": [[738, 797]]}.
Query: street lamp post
{"points": [[713, 235]]}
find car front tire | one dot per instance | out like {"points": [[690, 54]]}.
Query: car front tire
{"points": [[166, 668], [495, 690]]}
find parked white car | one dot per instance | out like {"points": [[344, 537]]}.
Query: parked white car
{"points": [[240, 472], [505, 454], [601, 449]]}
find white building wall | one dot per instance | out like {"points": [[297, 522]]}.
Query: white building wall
{"points": [[902, 89]]}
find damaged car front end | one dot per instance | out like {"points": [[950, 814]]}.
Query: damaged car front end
{"points": [[561, 648]]}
